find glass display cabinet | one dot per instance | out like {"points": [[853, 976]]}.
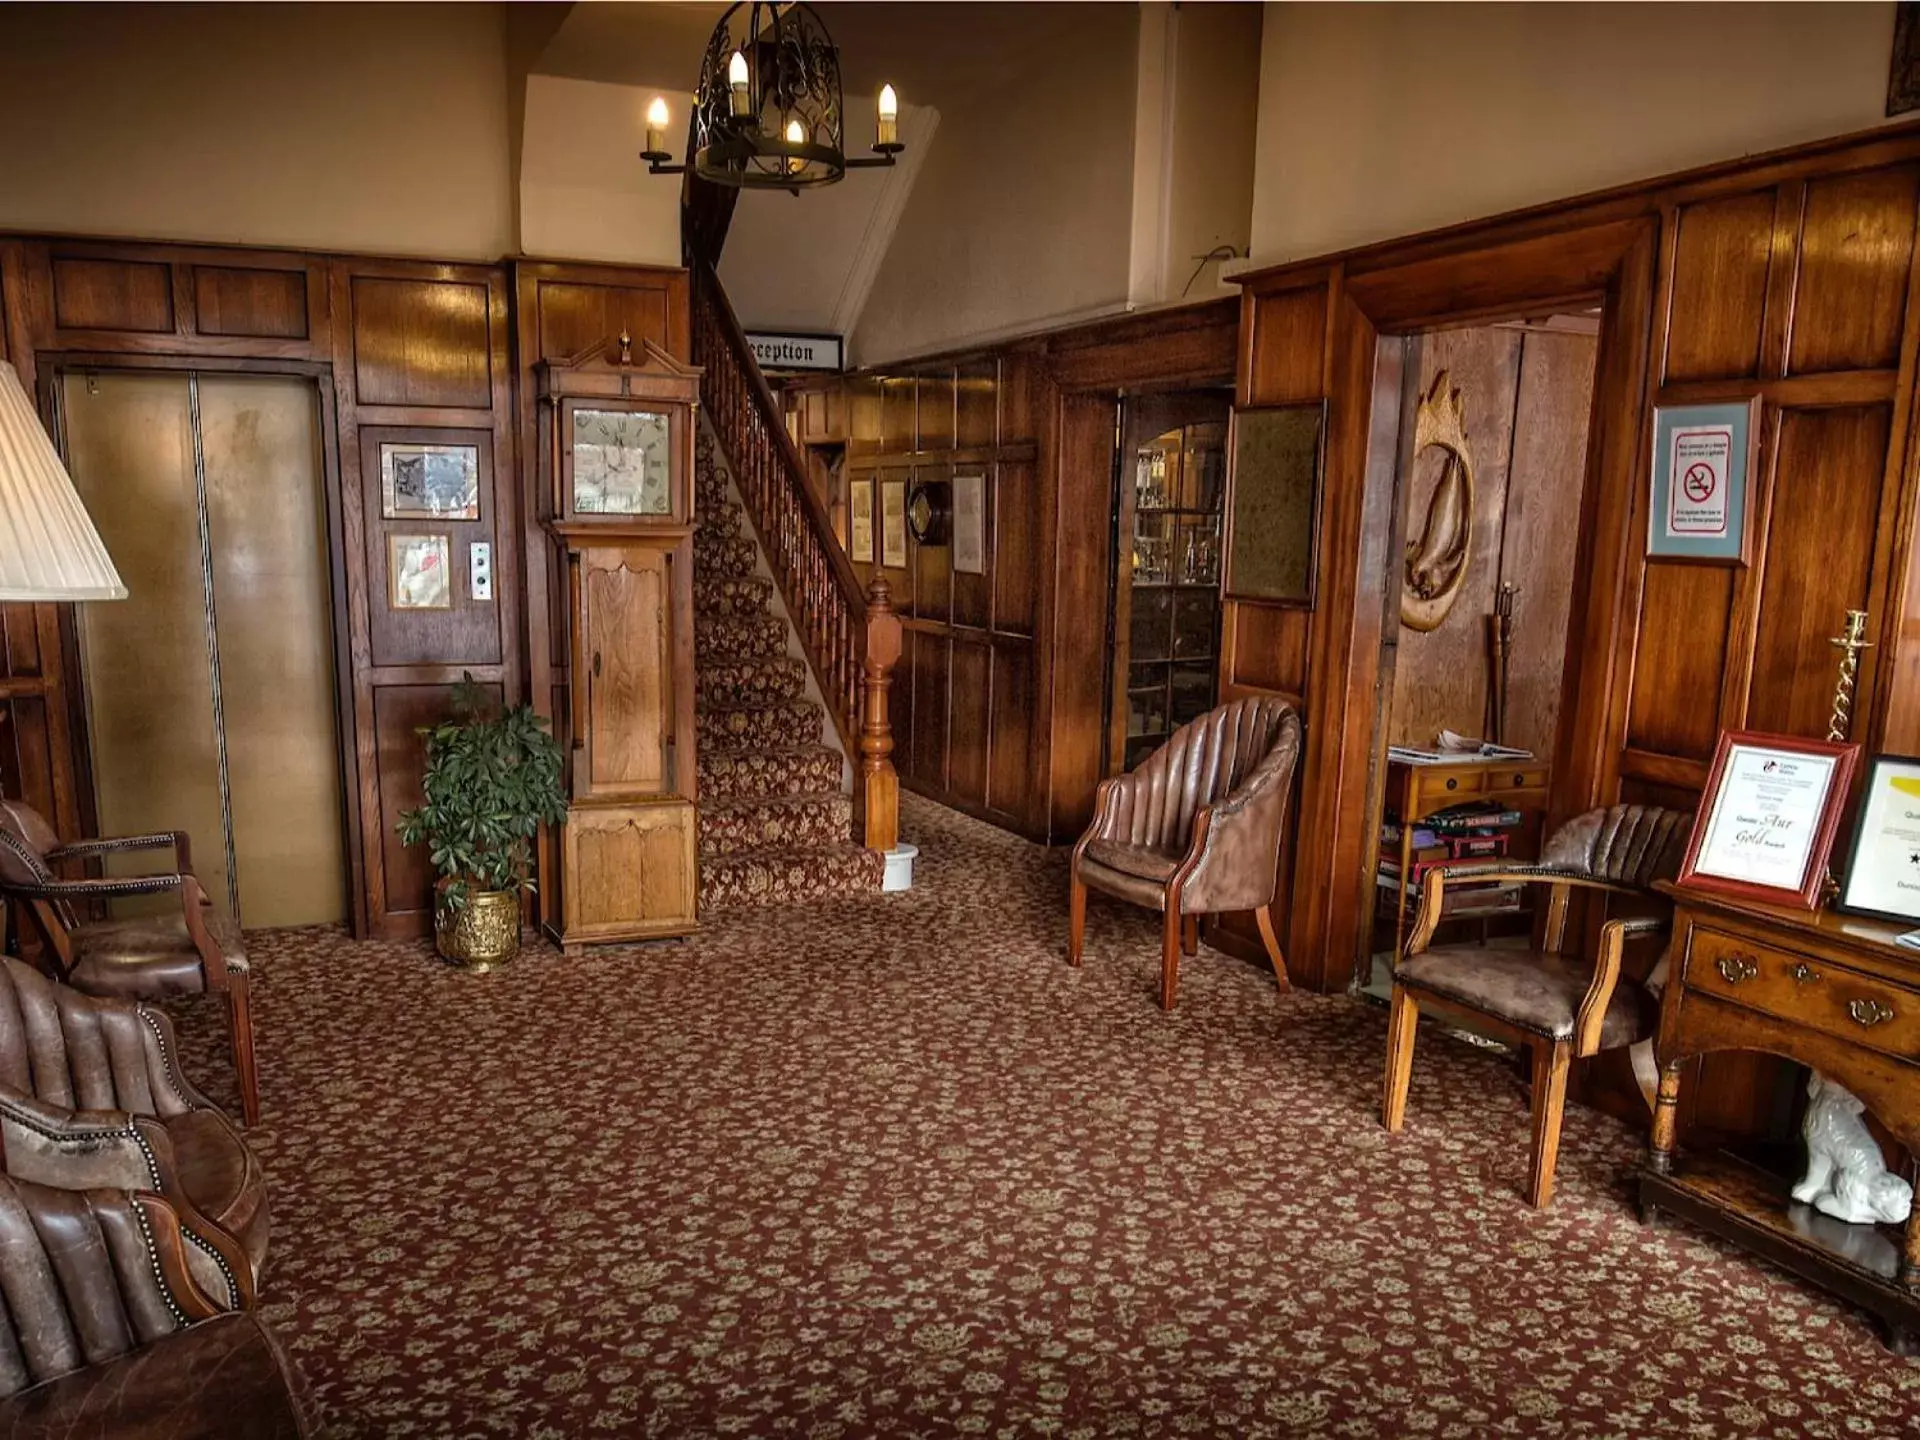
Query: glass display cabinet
{"points": [[1167, 576]]}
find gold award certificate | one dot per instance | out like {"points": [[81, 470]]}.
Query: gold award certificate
{"points": [[1766, 817]]}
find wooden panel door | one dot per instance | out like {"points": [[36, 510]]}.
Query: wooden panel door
{"points": [[624, 650]]}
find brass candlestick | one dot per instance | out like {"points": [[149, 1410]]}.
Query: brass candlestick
{"points": [[1850, 641]]}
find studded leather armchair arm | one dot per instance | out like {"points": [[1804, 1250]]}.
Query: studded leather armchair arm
{"points": [[177, 840]]}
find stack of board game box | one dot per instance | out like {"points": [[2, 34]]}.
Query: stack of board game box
{"points": [[1465, 838]]}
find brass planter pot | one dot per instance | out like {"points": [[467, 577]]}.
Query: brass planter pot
{"points": [[484, 933]]}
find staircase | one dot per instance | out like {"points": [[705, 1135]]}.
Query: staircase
{"points": [[776, 818]]}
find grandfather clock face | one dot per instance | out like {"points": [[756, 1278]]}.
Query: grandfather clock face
{"points": [[621, 461]]}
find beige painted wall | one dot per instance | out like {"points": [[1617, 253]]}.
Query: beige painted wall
{"points": [[1216, 101], [1022, 212], [1381, 120], [379, 128], [584, 192]]}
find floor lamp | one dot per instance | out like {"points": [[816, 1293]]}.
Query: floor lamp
{"points": [[49, 550]]}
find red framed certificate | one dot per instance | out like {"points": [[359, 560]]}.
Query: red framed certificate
{"points": [[1767, 818]]}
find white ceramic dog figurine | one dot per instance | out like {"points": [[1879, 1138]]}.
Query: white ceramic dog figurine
{"points": [[1846, 1176]]}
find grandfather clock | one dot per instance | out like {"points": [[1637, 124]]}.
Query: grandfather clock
{"points": [[616, 432]]}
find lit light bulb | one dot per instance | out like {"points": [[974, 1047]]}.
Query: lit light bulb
{"points": [[737, 83], [796, 135], [657, 118], [887, 131]]}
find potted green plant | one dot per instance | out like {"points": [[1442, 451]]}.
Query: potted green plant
{"points": [[493, 777]]}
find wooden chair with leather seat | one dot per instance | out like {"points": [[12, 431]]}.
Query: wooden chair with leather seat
{"points": [[92, 1096], [194, 951], [106, 1331], [1195, 830], [1558, 1005]]}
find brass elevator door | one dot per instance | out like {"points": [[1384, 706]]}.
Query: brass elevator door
{"points": [[209, 690]]}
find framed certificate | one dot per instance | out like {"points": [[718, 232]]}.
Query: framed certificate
{"points": [[1883, 875], [1768, 816], [860, 521], [893, 524]]}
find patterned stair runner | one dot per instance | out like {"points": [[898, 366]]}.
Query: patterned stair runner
{"points": [[775, 822]]}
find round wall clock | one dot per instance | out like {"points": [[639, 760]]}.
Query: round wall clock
{"points": [[930, 512]]}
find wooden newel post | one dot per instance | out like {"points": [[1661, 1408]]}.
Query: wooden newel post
{"points": [[879, 783]]}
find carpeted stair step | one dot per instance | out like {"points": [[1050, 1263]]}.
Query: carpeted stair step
{"points": [[717, 522], [798, 770], [774, 822], [722, 557], [771, 877], [731, 595], [721, 638], [780, 726], [766, 680]]}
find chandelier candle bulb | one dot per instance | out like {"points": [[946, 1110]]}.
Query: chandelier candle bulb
{"points": [[737, 83], [657, 127], [887, 130], [796, 135]]}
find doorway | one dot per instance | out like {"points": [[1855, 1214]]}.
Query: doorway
{"points": [[209, 692], [1475, 656], [1164, 623]]}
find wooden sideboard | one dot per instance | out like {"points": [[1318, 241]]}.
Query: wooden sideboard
{"points": [[1832, 992]]}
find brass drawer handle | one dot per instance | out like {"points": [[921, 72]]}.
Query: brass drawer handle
{"points": [[1735, 968], [1804, 973], [1453, 784], [1519, 779], [1869, 1012]]}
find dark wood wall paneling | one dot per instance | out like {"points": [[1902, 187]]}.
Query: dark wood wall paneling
{"points": [[1790, 277], [560, 311], [402, 351], [999, 697]]}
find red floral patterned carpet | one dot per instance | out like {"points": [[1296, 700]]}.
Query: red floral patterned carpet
{"points": [[886, 1166]]}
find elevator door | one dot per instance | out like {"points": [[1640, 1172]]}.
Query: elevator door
{"points": [[209, 690]]}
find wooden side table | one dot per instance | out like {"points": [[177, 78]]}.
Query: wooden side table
{"points": [[1416, 792], [1829, 991]]}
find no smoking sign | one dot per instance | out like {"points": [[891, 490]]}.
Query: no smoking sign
{"points": [[1701, 457]]}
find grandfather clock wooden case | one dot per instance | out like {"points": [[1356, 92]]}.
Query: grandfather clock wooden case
{"points": [[616, 432]]}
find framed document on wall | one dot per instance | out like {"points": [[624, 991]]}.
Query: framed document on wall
{"points": [[860, 521], [1883, 875], [1767, 817], [893, 524], [1702, 456], [970, 523], [1273, 488]]}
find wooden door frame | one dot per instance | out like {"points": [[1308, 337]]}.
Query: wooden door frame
{"points": [[1373, 303], [50, 367]]}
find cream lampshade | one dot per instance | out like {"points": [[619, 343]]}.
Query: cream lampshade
{"points": [[49, 549]]}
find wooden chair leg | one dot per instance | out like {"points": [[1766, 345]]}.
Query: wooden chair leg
{"points": [[1551, 1060], [240, 1033], [1170, 957], [1402, 1020], [1264, 915], [1190, 935], [1076, 920]]}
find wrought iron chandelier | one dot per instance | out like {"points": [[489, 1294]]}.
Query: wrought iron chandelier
{"points": [[767, 114]]}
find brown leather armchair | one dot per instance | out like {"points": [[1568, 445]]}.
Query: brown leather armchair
{"points": [[91, 1096], [105, 1330], [1195, 830], [151, 957], [1557, 1005]]}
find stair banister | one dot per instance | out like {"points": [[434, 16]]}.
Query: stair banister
{"points": [[850, 633]]}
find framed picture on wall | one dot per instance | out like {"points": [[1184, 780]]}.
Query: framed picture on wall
{"points": [[893, 524], [970, 524], [860, 521], [1702, 458], [1273, 504], [440, 482], [1768, 816], [419, 572], [1883, 873]]}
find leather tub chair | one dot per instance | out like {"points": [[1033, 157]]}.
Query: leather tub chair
{"points": [[106, 1332], [194, 951], [1195, 830], [91, 1096], [1556, 1004]]}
